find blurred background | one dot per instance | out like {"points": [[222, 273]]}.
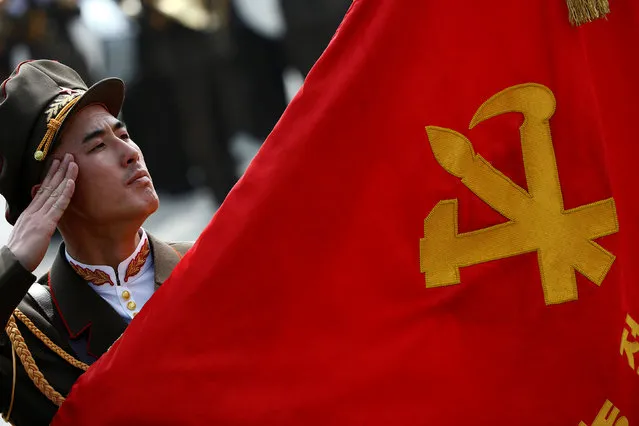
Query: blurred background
{"points": [[206, 81]]}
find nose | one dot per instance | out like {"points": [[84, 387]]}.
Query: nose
{"points": [[130, 153]]}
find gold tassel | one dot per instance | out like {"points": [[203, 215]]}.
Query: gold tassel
{"points": [[583, 11], [53, 125]]}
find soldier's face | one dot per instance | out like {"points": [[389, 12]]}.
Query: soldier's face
{"points": [[113, 183]]}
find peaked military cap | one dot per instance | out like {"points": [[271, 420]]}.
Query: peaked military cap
{"points": [[35, 102]]}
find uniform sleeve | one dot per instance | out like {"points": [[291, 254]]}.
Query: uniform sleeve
{"points": [[15, 281], [6, 374]]}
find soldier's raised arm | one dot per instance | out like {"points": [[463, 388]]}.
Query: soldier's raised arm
{"points": [[31, 235]]}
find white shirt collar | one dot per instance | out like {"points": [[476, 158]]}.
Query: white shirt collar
{"points": [[128, 271]]}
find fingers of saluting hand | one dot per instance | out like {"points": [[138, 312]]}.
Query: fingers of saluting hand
{"points": [[59, 199], [54, 183]]}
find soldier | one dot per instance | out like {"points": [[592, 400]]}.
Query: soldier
{"points": [[69, 163]]}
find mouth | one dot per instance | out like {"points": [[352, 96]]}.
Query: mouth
{"points": [[139, 177]]}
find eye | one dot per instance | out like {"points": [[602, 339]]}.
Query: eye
{"points": [[97, 147], [125, 136]]}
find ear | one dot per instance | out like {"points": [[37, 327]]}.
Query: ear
{"points": [[34, 189]]}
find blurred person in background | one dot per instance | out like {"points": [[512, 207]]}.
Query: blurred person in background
{"points": [[184, 50], [271, 37], [69, 163], [310, 25], [39, 28]]}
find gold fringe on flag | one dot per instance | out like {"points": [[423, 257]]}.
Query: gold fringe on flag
{"points": [[583, 11]]}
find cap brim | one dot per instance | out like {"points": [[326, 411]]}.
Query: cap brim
{"points": [[108, 92]]}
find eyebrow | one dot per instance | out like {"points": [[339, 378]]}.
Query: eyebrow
{"points": [[94, 134]]}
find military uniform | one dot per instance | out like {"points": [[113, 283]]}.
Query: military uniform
{"points": [[63, 307], [57, 327]]}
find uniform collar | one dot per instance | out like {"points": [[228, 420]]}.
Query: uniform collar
{"points": [[165, 259], [127, 271], [82, 310]]}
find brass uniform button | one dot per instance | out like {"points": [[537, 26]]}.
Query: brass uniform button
{"points": [[134, 314], [126, 295], [131, 305]]}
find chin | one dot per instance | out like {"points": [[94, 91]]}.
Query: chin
{"points": [[153, 206], [143, 205], [150, 202]]}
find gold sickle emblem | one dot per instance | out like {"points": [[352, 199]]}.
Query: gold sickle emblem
{"points": [[563, 239]]}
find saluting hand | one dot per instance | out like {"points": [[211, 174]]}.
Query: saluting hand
{"points": [[34, 228]]}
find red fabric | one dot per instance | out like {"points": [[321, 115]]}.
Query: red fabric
{"points": [[303, 303]]}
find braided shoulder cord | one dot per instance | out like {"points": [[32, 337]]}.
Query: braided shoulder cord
{"points": [[20, 348], [44, 339], [29, 364]]}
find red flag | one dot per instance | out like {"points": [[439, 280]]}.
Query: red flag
{"points": [[442, 229]]}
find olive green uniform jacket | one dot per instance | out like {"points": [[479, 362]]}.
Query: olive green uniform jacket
{"points": [[69, 313]]}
